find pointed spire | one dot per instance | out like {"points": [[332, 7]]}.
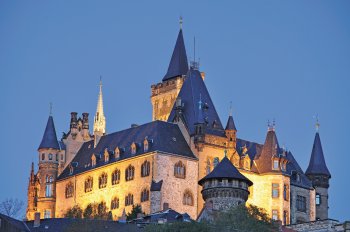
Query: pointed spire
{"points": [[317, 164], [230, 123], [99, 119], [32, 172], [49, 139], [178, 64]]}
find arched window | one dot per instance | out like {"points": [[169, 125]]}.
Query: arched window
{"points": [[48, 187], [69, 190], [102, 180], [133, 148], [93, 160], [115, 203], [106, 155], [116, 177], [89, 184], [180, 170], [129, 199], [129, 173], [50, 156], [144, 195], [145, 168], [101, 208], [187, 198], [116, 153], [145, 145]]}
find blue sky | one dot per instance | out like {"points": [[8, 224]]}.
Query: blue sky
{"points": [[287, 60]]}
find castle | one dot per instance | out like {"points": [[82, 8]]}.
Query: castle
{"points": [[161, 162]]}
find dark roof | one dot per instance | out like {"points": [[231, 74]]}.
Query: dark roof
{"points": [[156, 186], [162, 136], [169, 214], [193, 90], [317, 164], [178, 64], [20, 225], [225, 170], [293, 168], [230, 124], [49, 139]]}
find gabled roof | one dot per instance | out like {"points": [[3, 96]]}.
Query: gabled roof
{"points": [[225, 170], [49, 139], [230, 124], [193, 91], [19, 225], [293, 167], [162, 136], [317, 164], [178, 64]]}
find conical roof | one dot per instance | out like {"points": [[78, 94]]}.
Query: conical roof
{"points": [[193, 91], [230, 124], [225, 170], [317, 164], [49, 139], [178, 64]]}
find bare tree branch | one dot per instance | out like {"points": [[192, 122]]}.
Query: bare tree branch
{"points": [[11, 207]]}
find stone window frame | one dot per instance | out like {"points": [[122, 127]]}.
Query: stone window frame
{"points": [[187, 198], [69, 190], [106, 155], [145, 168], [285, 217], [133, 148], [50, 156], [102, 180], [49, 186], [115, 203], [116, 153], [47, 213], [42, 156], [88, 184], [129, 199], [274, 212], [93, 160], [116, 177], [275, 164], [275, 193], [129, 173], [286, 192], [144, 195], [318, 199], [180, 170], [301, 203]]}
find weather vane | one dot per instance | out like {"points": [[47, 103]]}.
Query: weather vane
{"points": [[180, 21], [317, 123], [50, 108]]}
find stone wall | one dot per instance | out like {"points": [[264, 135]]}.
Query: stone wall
{"points": [[328, 225], [309, 214], [322, 209]]}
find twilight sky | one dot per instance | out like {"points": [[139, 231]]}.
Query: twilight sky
{"points": [[272, 59]]}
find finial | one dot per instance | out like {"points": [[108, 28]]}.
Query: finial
{"points": [[180, 21], [225, 152], [317, 125], [230, 112], [50, 108], [100, 80]]}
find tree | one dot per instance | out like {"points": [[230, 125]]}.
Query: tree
{"points": [[89, 211], [97, 211], [136, 209], [74, 212], [11, 207]]}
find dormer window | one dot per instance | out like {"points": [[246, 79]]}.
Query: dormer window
{"points": [[117, 153], [145, 145], [71, 169], [275, 164], [133, 148], [106, 155], [93, 160]]}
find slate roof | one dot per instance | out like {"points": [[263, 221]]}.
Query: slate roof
{"points": [[49, 139], [20, 225], [162, 136], [178, 64], [294, 168], [170, 215], [317, 164], [156, 186], [225, 170], [230, 124], [193, 91]]}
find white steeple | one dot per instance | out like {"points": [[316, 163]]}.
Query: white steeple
{"points": [[99, 119]]}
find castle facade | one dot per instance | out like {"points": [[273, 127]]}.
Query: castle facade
{"points": [[160, 163]]}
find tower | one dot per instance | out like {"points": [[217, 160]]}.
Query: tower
{"points": [[32, 194], [231, 132], [99, 119], [319, 174], [48, 152]]}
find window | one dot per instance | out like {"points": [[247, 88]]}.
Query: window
{"points": [[144, 195], [116, 177], [215, 161], [71, 169], [50, 156], [275, 164], [129, 199], [56, 157], [285, 217], [129, 173], [285, 192], [102, 180], [180, 170], [301, 203], [69, 190], [48, 187], [207, 169], [274, 214], [43, 156], [275, 190], [47, 213], [145, 168], [115, 203], [61, 156], [88, 184], [187, 198], [101, 208], [133, 148], [116, 153], [106, 155], [93, 160], [145, 145], [318, 199]]}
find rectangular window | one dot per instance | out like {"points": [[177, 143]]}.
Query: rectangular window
{"points": [[285, 217], [47, 213], [275, 190], [274, 214], [285, 192], [318, 199], [275, 165], [301, 203]]}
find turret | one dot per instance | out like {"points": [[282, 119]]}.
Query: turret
{"points": [[32, 194], [319, 174], [231, 131]]}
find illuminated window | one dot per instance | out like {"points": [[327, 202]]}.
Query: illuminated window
{"points": [[129, 173], [275, 190], [47, 213], [88, 184], [275, 164], [93, 160], [106, 155], [301, 203], [318, 199], [285, 217], [133, 148], [180, 170], [145, 145], [274, 214], [144, 195], [187, 198], [145, 168], [285, 192], [129, 199], [69, 190], [116, 153], [116, 177], [48, 187], [115, 203], [102, 180], [50, 156]]}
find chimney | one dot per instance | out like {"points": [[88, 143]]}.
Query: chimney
{"points": [[85, 120], [73, 120], [165, 206], [36, 219]]}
